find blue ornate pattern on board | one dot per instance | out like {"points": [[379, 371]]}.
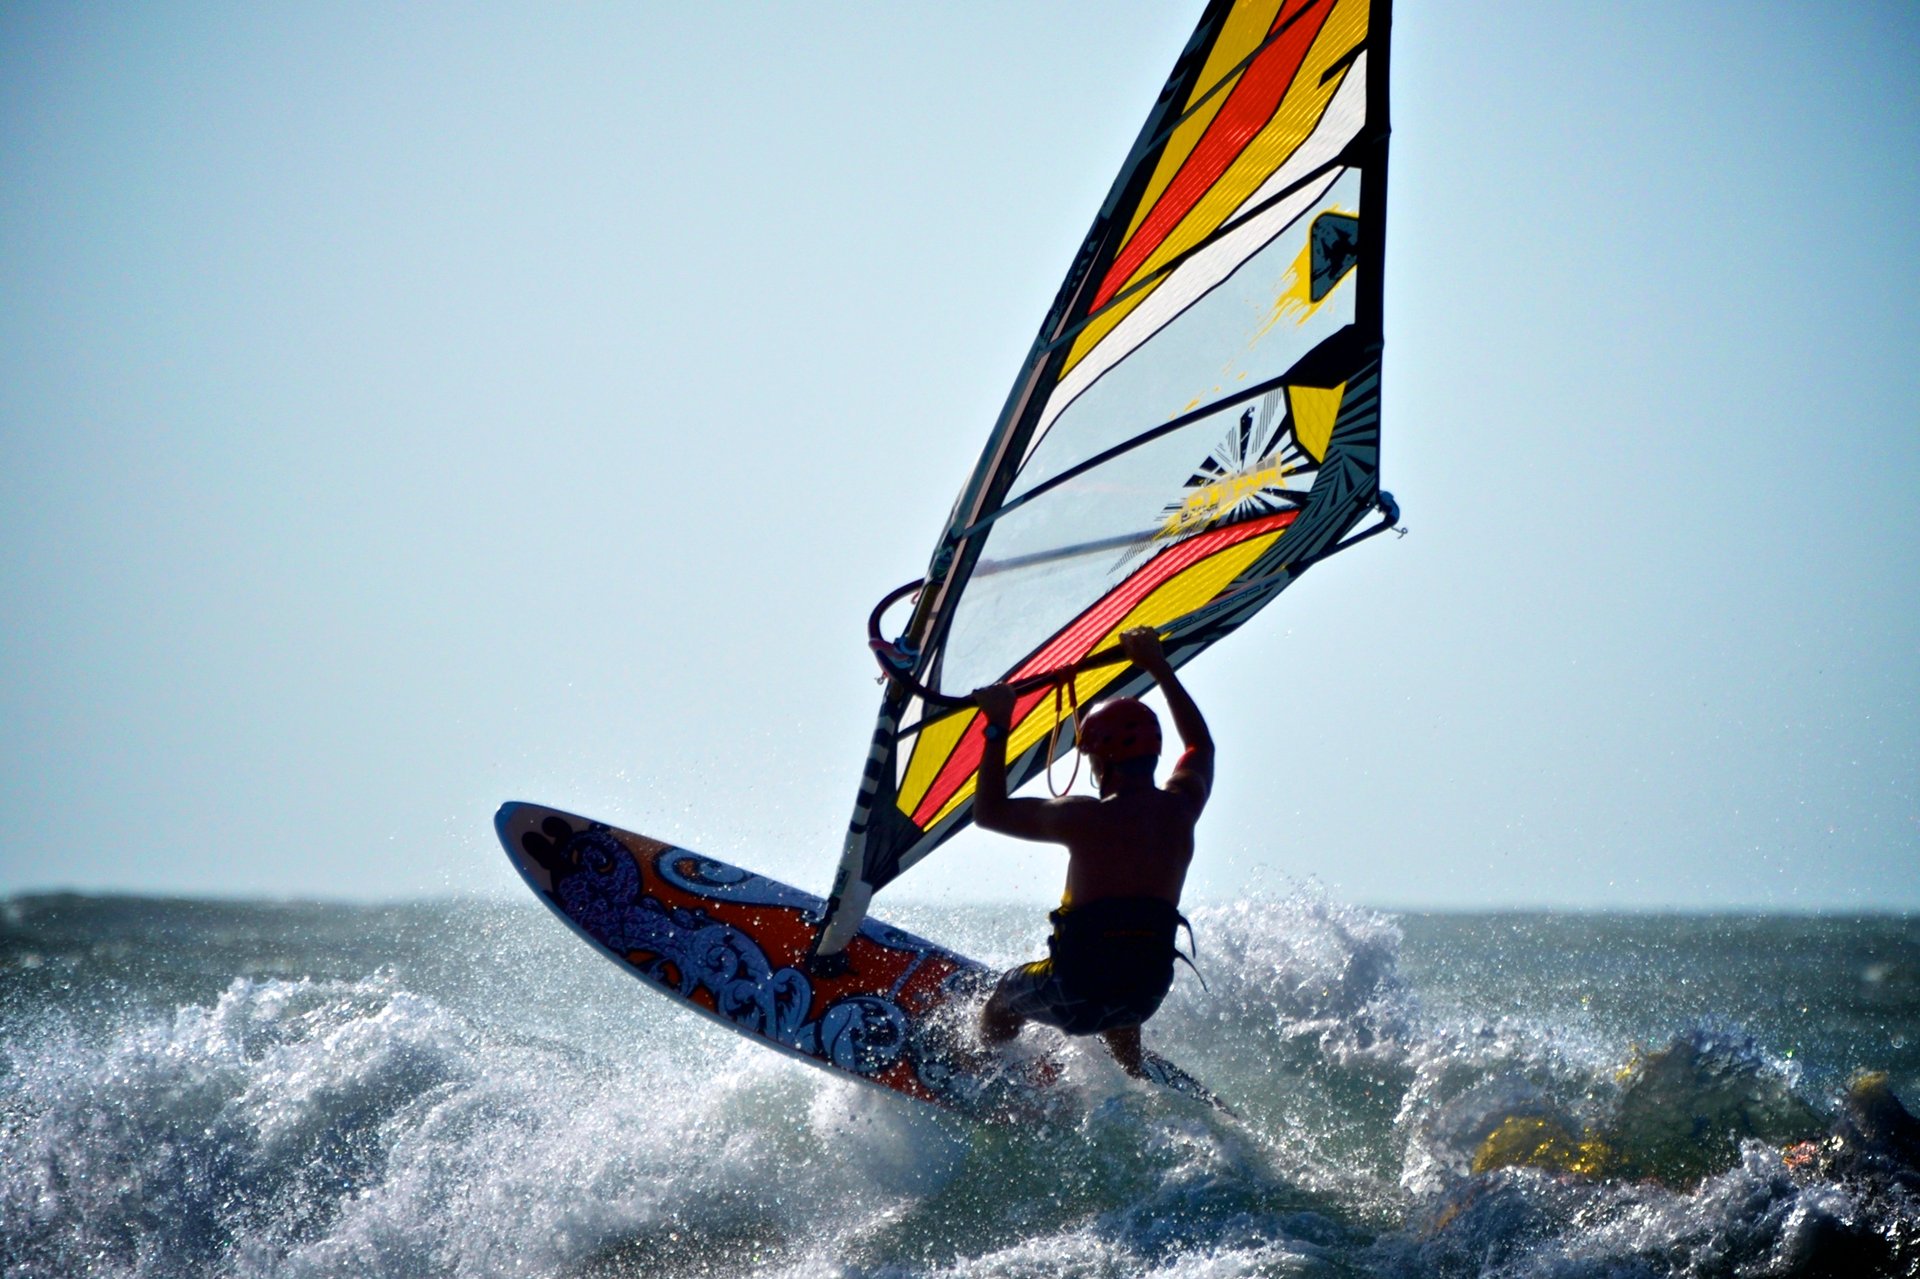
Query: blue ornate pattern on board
{"points": [[597, 883]]}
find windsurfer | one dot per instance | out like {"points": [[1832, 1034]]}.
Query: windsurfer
{"points": [[1113, 943]]}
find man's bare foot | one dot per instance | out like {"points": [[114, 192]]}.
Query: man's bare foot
{"points": [[998, 1023]]}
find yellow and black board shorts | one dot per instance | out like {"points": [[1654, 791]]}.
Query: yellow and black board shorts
{"points": [[1110, 963]]}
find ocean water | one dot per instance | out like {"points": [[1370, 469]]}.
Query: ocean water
{"points": [[465, 1089]]}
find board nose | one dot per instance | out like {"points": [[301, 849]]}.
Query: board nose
{"points": [[503, 820]]}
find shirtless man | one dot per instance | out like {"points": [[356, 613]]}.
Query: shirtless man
{"points": [[1112, 949]]}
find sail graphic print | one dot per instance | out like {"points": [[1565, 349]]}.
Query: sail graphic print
{"points": [[1196, 423]]}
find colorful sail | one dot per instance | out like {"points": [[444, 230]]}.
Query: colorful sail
{"points": [[1196, 424]]}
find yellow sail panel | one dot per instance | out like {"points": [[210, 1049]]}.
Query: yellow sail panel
{"points": [[930, 751], [1293, 121], [1188, 591], [1240, 35], [1315, 409]]}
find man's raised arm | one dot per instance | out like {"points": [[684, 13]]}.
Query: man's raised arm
{"points": [[993, 809], [1194, 772]]}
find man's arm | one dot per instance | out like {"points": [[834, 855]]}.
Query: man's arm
{"points": [[993, 809], [1193, 775]]}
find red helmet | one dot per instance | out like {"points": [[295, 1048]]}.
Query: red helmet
{"points": [[1123, 728]]}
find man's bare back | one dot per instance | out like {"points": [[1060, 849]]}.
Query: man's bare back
{"points": [[1136, 842]]}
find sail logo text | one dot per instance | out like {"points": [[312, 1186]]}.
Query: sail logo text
{"points": [[1207, 503]]}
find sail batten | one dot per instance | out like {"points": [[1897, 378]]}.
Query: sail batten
{"points": [[1195, 424]]}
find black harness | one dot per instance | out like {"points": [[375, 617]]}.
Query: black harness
{"points": [[1116, 946]]}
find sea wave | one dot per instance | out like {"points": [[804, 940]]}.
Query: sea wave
{"points": [[406, 1122]]}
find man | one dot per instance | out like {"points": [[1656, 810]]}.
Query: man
{"points": [[1113, 947]]}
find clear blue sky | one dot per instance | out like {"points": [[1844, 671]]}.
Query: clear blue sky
{"points": [[406, 408]]}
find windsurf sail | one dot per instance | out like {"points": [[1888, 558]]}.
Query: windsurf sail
{"points": [[1196, 424]]}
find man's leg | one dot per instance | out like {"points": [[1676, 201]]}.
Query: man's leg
{"points": [[1124, 1043]]}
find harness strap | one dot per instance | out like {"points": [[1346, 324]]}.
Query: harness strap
{"points": [[1193, 946], [1053, 740]]}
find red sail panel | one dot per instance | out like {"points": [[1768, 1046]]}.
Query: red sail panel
{"points": [[1080, 637], [1249, 106]]}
